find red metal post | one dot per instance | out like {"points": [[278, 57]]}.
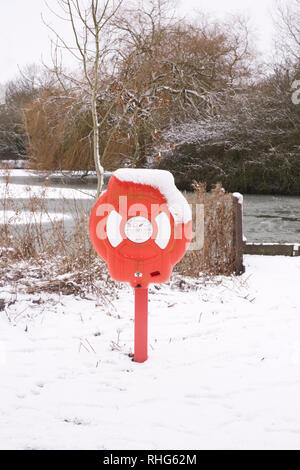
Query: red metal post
{"points": [[141, 325]]}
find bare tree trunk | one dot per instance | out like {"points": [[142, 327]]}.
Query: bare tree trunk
{"points": [[97, 159]]}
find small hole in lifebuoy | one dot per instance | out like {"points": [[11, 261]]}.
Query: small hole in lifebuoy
{"points": [[156, 273]]}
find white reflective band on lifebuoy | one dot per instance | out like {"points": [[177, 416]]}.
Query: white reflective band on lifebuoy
{"points": [[163, 230], [113, 228]]}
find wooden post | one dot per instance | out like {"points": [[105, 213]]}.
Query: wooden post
{"points": [[238, 234]]}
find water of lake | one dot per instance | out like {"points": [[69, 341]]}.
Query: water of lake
{"points": [[266, 218], [272, 218]]}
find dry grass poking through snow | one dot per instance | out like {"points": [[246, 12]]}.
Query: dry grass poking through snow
{"points": [[40, 253]]}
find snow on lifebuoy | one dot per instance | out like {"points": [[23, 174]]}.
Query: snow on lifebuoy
{"points": [[163, 181]]}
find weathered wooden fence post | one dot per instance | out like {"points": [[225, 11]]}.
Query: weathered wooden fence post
{"points": [[238, 233]]}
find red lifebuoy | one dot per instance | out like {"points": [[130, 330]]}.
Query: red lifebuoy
{"points": [[134, 229]]}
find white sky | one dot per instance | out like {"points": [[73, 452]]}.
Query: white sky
{"points": [[24, 39]]}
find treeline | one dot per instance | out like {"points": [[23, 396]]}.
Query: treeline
{"points": [[251, 146], [187, 97]]}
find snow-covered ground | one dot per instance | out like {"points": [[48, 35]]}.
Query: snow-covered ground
{"points": [[27, 190], [21, 201], [223, 369]]}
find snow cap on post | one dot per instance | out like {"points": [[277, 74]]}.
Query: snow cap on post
{"points": [[163, 181]]}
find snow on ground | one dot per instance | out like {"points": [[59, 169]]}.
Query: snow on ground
{"points": [[21, 201], [223, 369], [17, 190]]}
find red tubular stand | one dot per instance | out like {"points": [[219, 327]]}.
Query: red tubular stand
{"points": [[141, 325]]}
